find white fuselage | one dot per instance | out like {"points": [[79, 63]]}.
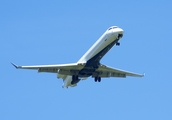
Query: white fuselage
{"points": [[107, 38]]}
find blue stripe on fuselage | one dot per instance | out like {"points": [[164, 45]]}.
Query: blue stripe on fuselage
{"points": [[93, 63]]}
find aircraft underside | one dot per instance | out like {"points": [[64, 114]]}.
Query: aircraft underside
{"points": [[93, 64], [89, 64]]}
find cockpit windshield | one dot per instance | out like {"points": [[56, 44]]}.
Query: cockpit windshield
{"points": [[113, 27]]}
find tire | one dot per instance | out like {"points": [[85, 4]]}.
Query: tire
{"points": [[95, 79], [99, 79]]}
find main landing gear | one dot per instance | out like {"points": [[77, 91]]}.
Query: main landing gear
{"points": [[97, 79]]}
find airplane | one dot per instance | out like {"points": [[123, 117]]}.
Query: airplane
{"points": [[89, 64]]}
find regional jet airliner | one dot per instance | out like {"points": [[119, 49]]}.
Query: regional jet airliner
{"points": [[89, 64]]}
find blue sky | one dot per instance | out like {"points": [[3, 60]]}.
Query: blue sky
{"points": [[50, 32]]}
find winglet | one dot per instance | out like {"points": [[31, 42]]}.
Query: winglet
{"points": [[143, 74], [15, 65]]}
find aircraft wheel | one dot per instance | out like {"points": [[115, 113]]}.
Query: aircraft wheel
{"points": [[99, 79], [95, 79]]}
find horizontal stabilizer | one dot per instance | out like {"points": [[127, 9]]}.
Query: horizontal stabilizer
{"points": [[15, 65]]}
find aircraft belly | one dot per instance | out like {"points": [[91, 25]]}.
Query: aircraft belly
{"points": [[99, 47], [106, 41]]}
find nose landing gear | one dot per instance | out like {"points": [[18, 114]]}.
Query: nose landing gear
{"points": [[119, 36], [117, 44]]}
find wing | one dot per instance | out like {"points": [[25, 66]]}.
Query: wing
{"points": [[65, 69], [105, 71]]}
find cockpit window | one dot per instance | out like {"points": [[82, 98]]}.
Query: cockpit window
{"points": [[112, 27], [115, 27], [109, 28]]}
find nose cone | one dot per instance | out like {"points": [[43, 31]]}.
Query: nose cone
{"points": [[121, 31]]}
